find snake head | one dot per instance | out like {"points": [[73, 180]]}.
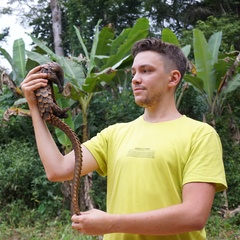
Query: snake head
{"points": [[55, 74]]}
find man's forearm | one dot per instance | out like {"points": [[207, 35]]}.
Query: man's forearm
{"points": [[52, 159], [172, 220], [191, 215]]}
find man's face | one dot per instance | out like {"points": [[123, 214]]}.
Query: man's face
{"points": [[150, 78]]}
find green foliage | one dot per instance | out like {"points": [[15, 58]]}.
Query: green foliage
{"points": [[23, 184], [194, 108], [17, 129], [108, 108], [17, 61], [7, 99], [117, 14], [219, 228], [227, 126], [85, 15], [99, 191], [228, 25], [214, 75], [22, 175], [205, 57]]}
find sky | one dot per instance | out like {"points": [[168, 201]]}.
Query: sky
{"points": [[16, 31]]}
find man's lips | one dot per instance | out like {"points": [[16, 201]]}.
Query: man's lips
{"points": [[138, 89]]}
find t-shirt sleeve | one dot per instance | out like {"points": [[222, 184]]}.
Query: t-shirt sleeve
{"points": [[98, 146], [205, 162]]}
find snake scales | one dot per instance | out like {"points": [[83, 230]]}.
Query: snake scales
{"points": [[51, 113]]}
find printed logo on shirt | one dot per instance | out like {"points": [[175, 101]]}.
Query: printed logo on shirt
{"points": [[141, 153]]}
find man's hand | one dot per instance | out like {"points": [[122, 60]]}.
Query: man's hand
{"points": [[92, 222], [33, 81]]}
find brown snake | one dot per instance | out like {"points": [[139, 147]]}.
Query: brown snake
{"points": [[51, 113]]}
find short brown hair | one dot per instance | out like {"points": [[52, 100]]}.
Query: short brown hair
{"points": [[169, 51]]}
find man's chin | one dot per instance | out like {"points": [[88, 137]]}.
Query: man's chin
{"points": [[140, 103]]}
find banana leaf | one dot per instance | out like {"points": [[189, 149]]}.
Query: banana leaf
{"points": [[121, 46], [18, 61], [204, 55], [170, 37]]}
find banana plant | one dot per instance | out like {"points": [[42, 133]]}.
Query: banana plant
{"points": [[216, 75]]}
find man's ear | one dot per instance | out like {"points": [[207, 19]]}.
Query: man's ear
{"points": [[175, 77]]}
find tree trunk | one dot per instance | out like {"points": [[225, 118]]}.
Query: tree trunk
{"points": [[57, 27]]}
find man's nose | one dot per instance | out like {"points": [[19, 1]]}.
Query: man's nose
{"points": [[136, 78]]}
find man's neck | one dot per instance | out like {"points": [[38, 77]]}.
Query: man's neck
{"points": [[164, 115]]}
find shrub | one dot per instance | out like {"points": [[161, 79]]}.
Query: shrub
{"points": [[23, 184]]}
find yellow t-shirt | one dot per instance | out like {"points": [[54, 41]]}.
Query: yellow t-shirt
{"points": [[147, 164]]}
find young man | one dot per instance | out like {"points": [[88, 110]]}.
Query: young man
{"points": [[163, 168]]}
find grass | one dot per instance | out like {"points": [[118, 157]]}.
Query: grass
{"points": [[225, 229], [54, 231], [36, 225], [217, 229]]}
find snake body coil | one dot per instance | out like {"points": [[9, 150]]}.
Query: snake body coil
{"points": [[51, 113]]}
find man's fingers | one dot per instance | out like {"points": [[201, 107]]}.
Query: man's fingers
{"points": [[34, 70]]}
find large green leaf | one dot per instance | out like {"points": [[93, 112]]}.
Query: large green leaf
{"points": [[186, 50], [90, 58], [170, 37], [42, 45], [92, 83], [73, 71], [19, 59], [7, 56], [196, 82], [222, 67], [214, 45], [103, 50], [119, 41], [232, 85], [94, 49], [204, 64], [81, 42], [106, 37], [41, 59], [95, 81], [122, 44]]}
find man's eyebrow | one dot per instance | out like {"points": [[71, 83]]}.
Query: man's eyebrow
{"points": [[142, 66]]}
